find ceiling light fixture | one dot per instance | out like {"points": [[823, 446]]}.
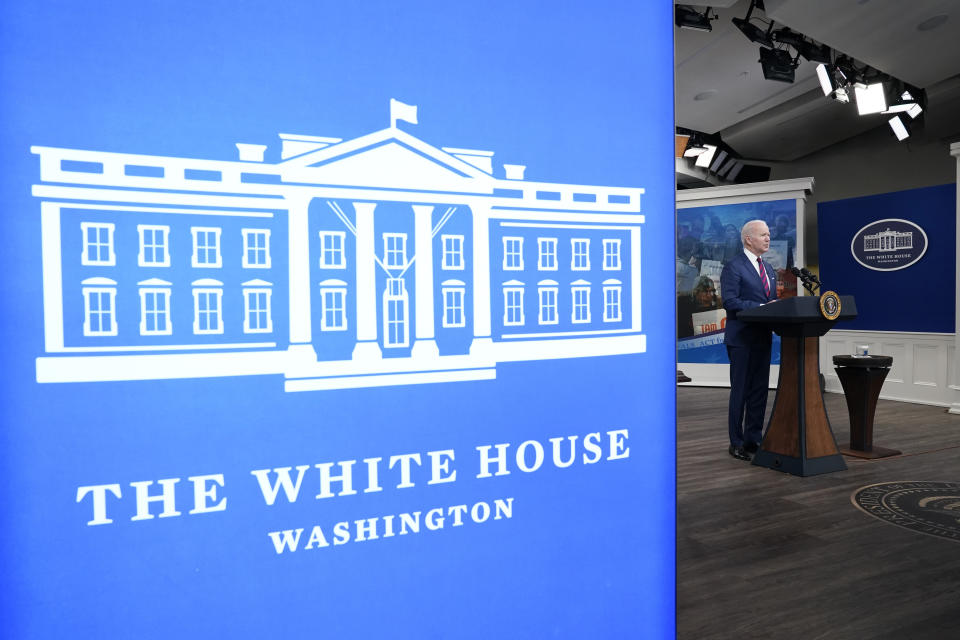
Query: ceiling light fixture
{"points": [[871, 99], [752, 31], [715, 167], [815, 52], [704, 159], [825, 78], [899, 128], [777, 64], [689, 18], [908, 102], [735, 171], [786, 36]]}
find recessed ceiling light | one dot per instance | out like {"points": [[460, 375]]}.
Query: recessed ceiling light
{"points": [[705, 95], [932, 23]]}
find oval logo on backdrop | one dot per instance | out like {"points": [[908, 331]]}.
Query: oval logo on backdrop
{"points": [[888, 245]]}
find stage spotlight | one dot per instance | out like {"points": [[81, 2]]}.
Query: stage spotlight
{"points": [[899, 128], [705, 158], [908, 103], [826, 81], [688, 18], [786, 36], [715, 167], [846, 71], [777, 64], [727, 166], [814, 52], [871, 99], [735, 171], [752, 31]]}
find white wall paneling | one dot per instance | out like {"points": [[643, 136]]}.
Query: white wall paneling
{"points": [[922, 369]]}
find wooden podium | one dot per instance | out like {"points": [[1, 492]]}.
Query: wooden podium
{"points": [[798, 438]]}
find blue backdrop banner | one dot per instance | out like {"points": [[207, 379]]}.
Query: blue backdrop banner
{"points": [[326, 318], [708, 238], [883, 247]]}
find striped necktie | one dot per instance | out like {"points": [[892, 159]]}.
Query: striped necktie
{"points": [[763, 277]]}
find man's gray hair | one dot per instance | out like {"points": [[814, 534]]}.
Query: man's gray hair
{"points": [[745, 230]]}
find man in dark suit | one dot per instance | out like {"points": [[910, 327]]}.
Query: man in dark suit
{"points": [[747, 282]]}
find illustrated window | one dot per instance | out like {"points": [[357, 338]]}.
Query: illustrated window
{"points": [[256, 248], [256, 310], [98, 244], [207, 310], [332, 252], [395, 314], [155, 311], [548, 305], [333, 305], [453, 314], [154, 250], [581, 303], [206, 247], [547, 260], [513, 306], [99, 309], [395, 250], [611, 301], [581, 254], [452, 252], [512, 253], [611, 255]]}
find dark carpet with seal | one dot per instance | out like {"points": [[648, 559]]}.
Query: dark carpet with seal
{"points": [[763, 554], [926, 507]]}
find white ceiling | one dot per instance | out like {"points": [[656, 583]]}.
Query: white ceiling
{"points": [[720, 87]]}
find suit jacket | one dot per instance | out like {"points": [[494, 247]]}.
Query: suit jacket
{"points": [[741, 288]]}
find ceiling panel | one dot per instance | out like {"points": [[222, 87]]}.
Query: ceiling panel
{"points": [[720, 86]]}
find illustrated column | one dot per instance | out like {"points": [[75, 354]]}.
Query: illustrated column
{"points": [[425, 345], [298, 235], [367, 347], [482, 344]]}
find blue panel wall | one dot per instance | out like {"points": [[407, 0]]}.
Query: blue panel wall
{"points": [[162, 460], [918, 297]]}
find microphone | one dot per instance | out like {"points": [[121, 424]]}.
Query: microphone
{"points": [[812, 278], [805, 278]]}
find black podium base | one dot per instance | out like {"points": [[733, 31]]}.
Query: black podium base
{"points": [[799, 466]]}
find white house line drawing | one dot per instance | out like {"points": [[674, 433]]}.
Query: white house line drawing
{"points": [[379, 260], [888, 240]]}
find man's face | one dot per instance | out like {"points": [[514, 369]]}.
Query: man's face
{"points": [[758, 238]]}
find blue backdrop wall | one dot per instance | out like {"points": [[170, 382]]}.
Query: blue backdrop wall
{"points": [[349, 382], [897, 288], [708, 238]]}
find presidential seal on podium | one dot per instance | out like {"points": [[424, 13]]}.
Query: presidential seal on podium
{"points": [[830, 305]]}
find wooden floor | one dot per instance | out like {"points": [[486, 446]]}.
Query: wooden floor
{"points": [[763, 554]]}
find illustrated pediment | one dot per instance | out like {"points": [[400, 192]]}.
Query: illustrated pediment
{"points": [[387, 159]]}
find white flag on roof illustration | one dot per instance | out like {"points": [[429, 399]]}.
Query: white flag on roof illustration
{"points": [[402, 111]]}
